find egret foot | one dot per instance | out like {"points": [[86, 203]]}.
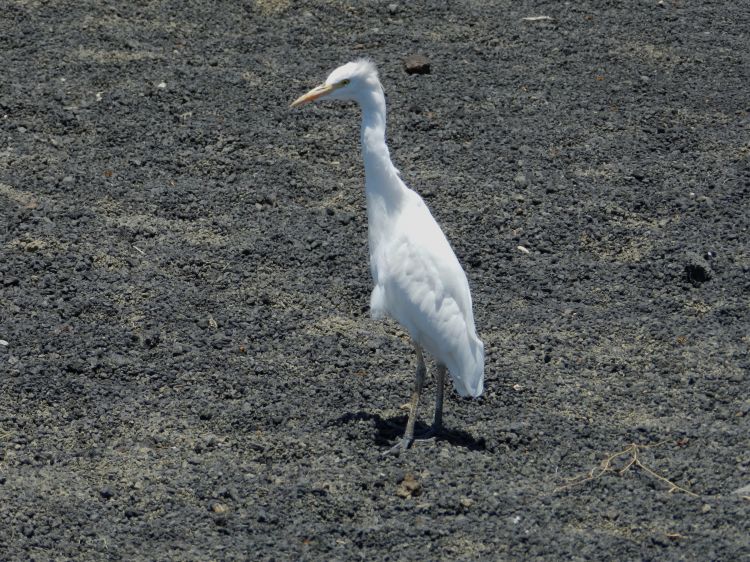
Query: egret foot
{"points": [[403, 444]]}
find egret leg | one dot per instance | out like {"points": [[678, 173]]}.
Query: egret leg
{"points": [[437, 422], [408, 437]]}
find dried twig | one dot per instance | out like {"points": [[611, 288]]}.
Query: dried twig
{"points": [[632, 451]]}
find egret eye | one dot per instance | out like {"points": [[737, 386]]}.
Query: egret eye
{"points": [[345, 82]]}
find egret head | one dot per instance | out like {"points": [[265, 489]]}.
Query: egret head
{"points": [[348, 82]]}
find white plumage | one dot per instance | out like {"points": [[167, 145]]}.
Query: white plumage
{"points": [[418, 279]]}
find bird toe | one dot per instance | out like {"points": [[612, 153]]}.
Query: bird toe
{"points": [[399, 447]]}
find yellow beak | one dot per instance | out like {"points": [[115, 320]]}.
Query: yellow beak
{"points": [[315, 93]]}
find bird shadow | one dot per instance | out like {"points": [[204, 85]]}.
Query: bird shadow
{"points": [[389, 430]]}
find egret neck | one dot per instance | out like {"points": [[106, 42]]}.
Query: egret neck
{"points": [[383, 186]]}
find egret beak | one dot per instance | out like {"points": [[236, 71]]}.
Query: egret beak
{"points": [[315, 93]]}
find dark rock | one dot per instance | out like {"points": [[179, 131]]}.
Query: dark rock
{"points": [[697, 269], [416, 64]]}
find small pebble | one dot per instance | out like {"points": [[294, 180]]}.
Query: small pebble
{"points": [[219, 508], [408, 487]]}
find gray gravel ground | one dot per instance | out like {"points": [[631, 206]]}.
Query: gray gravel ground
{"points": [[188, 368]]}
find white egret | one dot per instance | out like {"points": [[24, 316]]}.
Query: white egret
{"points": [[418, 279]]}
